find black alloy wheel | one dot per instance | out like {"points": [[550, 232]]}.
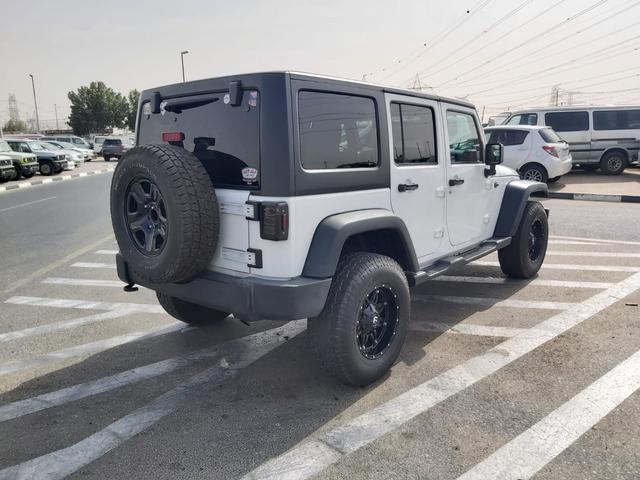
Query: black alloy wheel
{"points": [[146, 217], [536, 240], [378, 322]]}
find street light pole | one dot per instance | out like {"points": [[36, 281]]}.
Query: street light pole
{"points": [[55, 107], [35, 102], [182, 54]]}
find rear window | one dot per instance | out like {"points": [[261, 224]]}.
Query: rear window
{"points": [[506, 137], [113, 141], [567, 121], [337, 131], [225, 138], [616, 120], [549, 136], [523, 119]]}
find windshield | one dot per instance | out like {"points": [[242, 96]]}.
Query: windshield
{"points": [[35, 146], [51, 146], [4, 146]]}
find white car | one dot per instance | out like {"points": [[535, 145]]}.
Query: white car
{"points": [[85, 154], [72, 157], [98, 140], [535, 152]]}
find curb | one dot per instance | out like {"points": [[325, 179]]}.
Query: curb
{"points": [[59, 178], [595, 197]]}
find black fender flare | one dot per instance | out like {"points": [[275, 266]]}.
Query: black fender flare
{"points": [[514, 201], [332, 232]]}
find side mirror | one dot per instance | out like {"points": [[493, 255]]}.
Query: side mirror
{"points": [[492, 157]]}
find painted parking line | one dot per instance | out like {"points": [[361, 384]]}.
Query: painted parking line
{"points": [[60, 326], [571, 242], [567, 266], [468, 329], [61, 463], [494, 302], [105, 384], [530, 451], [599, 240], [58, 178], [89, 348], [84, 304], [593, 254], [93, 265], [79, 282], [539, 282], [315, 455], [26, 204], [106, 252]]}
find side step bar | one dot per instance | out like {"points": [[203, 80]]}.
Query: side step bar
{"points": [[445, 264]]}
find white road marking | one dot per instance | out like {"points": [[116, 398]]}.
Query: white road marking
{"points": [[530, 451], [84, 304], [128, 377], [88, 348], [107, 252], [565, 266], [61, 463], [468, 329], [83, 282], [315, 455], [600, 240], [93, 265], [26, 204], [571, 242], [494, 302], [63, 325], [595, 254], [539, 282]]}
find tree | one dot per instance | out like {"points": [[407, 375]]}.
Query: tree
{"points": [[95, 108], [15, 126], [134, 98]]}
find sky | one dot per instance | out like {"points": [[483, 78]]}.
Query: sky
{"points": [[498, 54]]}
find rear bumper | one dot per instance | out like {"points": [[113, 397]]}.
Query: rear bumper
{"points": [[248, 298], [560, 167]]}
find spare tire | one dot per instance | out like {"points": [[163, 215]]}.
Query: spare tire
{"points": [[164, 213]]}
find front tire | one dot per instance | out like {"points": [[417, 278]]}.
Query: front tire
{"points": [[188, 312], [46, 169], [361, 330], [524, 256]]}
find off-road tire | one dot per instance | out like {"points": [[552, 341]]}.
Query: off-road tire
{"points": [[515, 260], [613, 163], [333, 333], [188, 312], [537, 171], [47, 169], [192, 216]]}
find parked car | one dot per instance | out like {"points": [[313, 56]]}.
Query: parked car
{"points": [[98, 140], [114, 148], [85, 155], [536, 153], [327, 201], [72, 139], [606, 137], [7, 172], [25, 164], [71, 155], [50, 162]]}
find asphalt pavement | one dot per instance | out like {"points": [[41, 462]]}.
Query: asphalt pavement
{"points": [[499, 378]]}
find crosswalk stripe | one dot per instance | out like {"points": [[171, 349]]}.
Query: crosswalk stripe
{"points": [[494, 302], [593, 254], [107, 252], [80, 282], [468, 329], [564, 266], [105, 384], [571, 242], [313, 456], [84, 304], [530, 451], [540, 282], [61, 463], [93, 265], [599, 240], [88, 348]]}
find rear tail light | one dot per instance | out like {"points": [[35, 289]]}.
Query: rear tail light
{"points": [[274, 220], [551, 151], [172, 136]]}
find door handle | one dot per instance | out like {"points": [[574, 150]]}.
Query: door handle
{"points": [[404, 187], [455, 181]]}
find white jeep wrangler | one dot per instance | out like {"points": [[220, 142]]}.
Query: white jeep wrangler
{"points": [[283, 196]]}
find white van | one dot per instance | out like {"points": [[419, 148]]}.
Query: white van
{"points": [[606, 137]]}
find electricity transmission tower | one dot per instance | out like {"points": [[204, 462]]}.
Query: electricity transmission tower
{"points": [[14, 113]]}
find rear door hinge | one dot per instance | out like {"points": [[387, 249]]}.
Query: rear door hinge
{"points": [[251, 257]]}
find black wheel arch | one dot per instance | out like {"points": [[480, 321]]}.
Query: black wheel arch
{"points": [[375, 230], [514, 201]]}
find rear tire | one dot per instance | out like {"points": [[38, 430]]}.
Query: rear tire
{"points": [[613, 163], [361, 330], [188, 312], [534, 172], [524, 256]]}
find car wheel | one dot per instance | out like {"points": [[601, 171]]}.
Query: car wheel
{"points": [[361, 330], [534, 172], [28, 174], [525, 254], [46, 169], [613, 163], [188, 312], [590, 167], [18, 173], [554, 179], [164, 213], [106, 158]]}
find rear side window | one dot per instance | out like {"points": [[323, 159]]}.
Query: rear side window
{"points": [[337, 131], [507, 137], [549, 136], [567, 121], [414, 135], [523, 119], [616, 120]]}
